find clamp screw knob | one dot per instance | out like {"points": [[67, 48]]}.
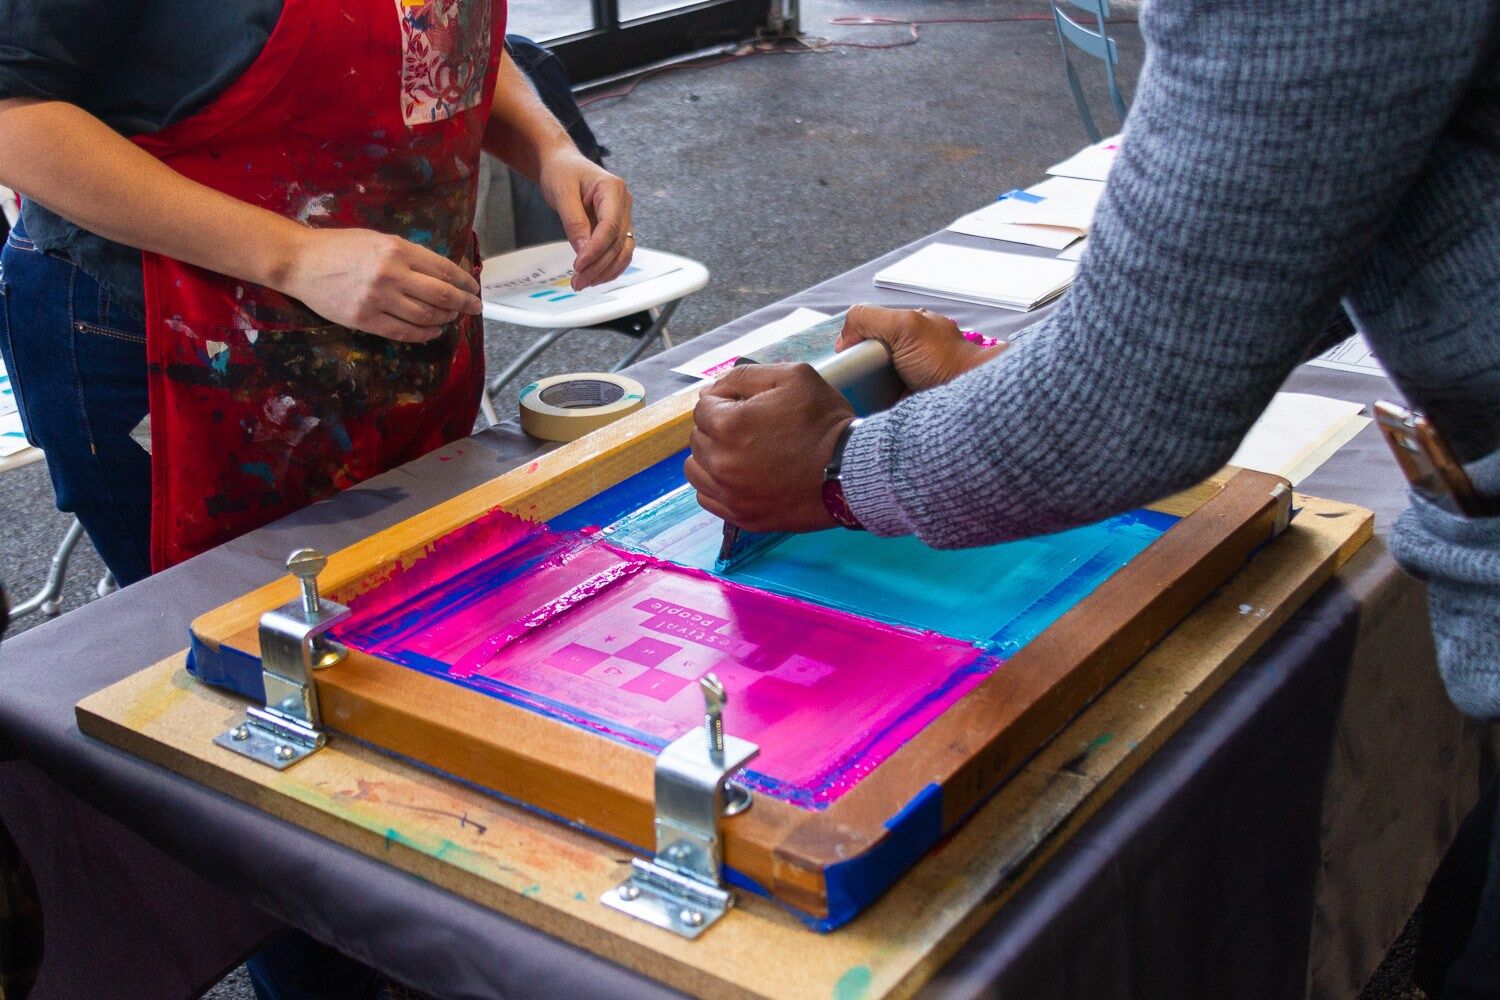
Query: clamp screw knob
{"points": [[714, 699], [305, 565]]}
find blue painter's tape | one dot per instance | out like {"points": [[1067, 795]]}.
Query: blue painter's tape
{"points": [[1019, 195], [858, 882], [625, 498], [226, 668]]}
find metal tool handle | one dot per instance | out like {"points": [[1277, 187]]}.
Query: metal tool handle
{"points": [[865, 375]]}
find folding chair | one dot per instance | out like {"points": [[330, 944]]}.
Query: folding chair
{"points": [[660, 296], [1094, 42]]}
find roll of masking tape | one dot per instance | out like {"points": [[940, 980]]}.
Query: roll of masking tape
{"points": [[566, 407]]}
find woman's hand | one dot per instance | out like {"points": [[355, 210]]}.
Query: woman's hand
{"points": [[379, 284], [595, 208], [927, 349]]}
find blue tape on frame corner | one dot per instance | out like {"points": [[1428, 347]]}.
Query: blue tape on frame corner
{"points": [[854, 884], [226, 668]]}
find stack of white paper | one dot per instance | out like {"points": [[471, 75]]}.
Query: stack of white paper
{"points": [[1074, 252], [1051, 214], [983, 277], [1353, 355], [1298, 433], [1090, 163]]}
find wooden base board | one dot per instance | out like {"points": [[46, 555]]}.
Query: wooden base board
{"points": [[551, 877]]}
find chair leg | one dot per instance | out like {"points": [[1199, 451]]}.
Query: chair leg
{"points": [[1081, 102], [48, 600], [527, 357], [487, 409], [657, 331], [486, 402]]}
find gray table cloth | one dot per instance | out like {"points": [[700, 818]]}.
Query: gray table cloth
{"points": [[1272, 848]]}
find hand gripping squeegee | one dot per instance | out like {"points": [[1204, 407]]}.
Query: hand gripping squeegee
{"points": [[863, 374]]}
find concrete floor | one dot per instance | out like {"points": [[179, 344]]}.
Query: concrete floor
{"points": [[777, 172]]}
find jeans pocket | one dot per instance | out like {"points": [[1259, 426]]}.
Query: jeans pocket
{"points": [[22, 243], [112, 332]]}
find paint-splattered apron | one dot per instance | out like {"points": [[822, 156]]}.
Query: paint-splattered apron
{"points": [[358, 113]]}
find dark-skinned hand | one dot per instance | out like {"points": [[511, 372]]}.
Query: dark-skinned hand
{"points": [[762, 436], [927, 349]]}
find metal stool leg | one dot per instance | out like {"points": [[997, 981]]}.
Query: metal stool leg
{"points": [[658, 330], [48, 599]]}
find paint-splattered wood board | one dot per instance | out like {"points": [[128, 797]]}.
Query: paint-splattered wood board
{"points": [[551, 877], [827, 861]]}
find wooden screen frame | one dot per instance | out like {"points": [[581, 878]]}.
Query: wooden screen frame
{"points": [[606, 787]]}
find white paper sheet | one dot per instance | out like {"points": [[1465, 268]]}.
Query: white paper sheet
{"points": [[984, 277], [984, 225], [1353, 355], [1297, 433], [719, 360], [1074, 252], [544, 288], [1090, 163], [1066, 202]]}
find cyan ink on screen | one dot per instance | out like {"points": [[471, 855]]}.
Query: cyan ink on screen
{"points": [[836, 647]]}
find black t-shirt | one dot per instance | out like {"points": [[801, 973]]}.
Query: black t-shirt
{"points": [[139, 66]]}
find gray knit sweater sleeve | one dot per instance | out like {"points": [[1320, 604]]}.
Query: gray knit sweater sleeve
{"points": [[1269, 145]]}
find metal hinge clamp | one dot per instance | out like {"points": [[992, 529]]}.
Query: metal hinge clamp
{"points": [[682, 889], [292, 646]]}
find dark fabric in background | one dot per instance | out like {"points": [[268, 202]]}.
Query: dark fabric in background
{"points": [[1358, 755], [1207, 845]]}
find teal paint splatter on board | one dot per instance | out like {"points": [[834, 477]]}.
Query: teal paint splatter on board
{"points": [[854, 984]]}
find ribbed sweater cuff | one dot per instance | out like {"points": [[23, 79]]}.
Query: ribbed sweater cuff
{"points": [[869, 477]]}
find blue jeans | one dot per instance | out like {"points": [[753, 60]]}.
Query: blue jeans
{"points": [[77, 362]]}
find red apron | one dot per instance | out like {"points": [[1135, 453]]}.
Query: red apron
{"points": [[357, 113]]}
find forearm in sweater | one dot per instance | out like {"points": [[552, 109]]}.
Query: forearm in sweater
{"points": [[1268, 145]]}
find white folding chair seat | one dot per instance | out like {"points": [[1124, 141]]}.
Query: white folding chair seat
{"points": [[660, 296]]}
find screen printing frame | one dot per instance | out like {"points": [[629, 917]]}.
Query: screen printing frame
{"points": [[826, 864]]}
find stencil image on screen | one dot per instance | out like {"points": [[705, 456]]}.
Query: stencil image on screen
{"points": [[836, 648], [999, 596], [615, 641]]}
